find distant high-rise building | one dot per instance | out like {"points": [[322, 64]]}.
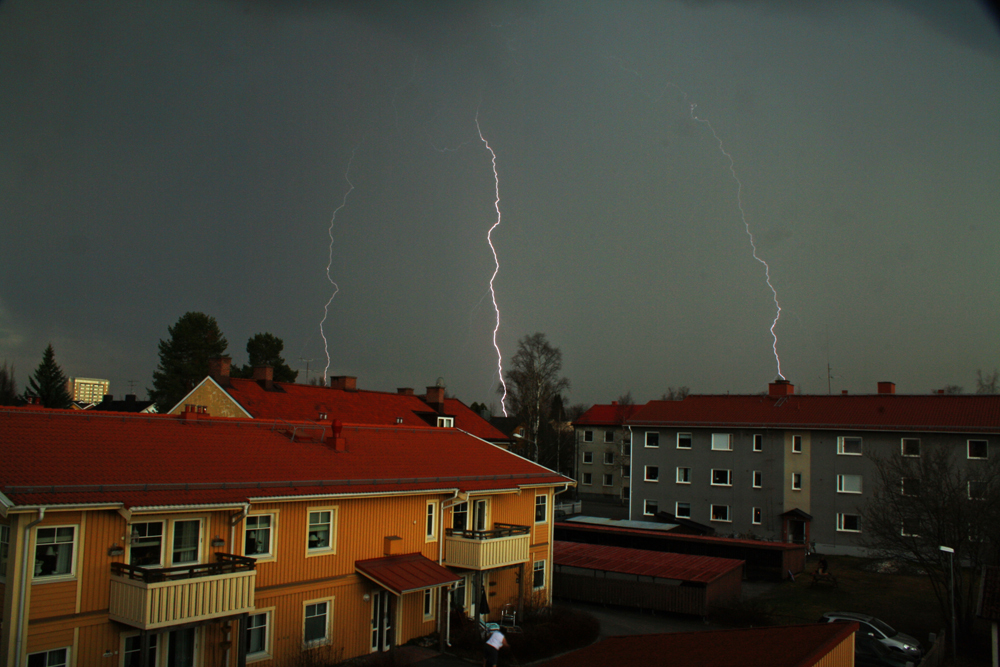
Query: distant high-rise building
{"points": [[90, 390]]}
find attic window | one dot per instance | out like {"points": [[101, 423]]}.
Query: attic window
{"points": [[322, 416], [446, 422], [399, 420]]}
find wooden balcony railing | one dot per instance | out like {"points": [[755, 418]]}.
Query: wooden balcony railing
{"points": [[149, 598], [506, 544]]}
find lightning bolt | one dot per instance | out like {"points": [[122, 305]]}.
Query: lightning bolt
{"points": [[329, 263], [496, 262]]}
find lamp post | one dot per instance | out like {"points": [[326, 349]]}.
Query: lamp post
{"points": [[951, 566]]}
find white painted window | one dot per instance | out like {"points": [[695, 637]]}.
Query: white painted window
{"points": [[316, 622], [165, 542], [430, 521], [910, 527], [652, 474], [978, 449], [258, 536], [721, 513], [146, 544], [722, 477], [755, 517], [55, 551], [796, 444], [683, 441], [910, 447], [541, 508], [849, 523], [683, 475], [609, 458], [652, 439], [258, 636], [538, 575], [977, 490], [910, 486], [322, 531], [796, 481], [446, 422], [682, 510], [57, 657], [430, 604], [848, 483], [758, 479], [609, 436], [722, 442], [588, 457], [609, 479], [588, 479], [848, 446], [132, 650], [588, 436], [650, 508], [758, 442]]}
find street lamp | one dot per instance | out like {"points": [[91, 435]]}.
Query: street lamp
{"points": [[951, 566]]}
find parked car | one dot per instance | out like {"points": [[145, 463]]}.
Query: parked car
{"points": [[870, 652], [882, 632]]}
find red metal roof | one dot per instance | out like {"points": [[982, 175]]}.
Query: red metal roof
{"points": [[701, 569], [405, 573], [606, 415], [304, 402], [71, 456], [757, 544], [896, 412], [780, 646]]}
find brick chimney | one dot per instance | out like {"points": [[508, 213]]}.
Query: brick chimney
{"points": [[264, 375], [344, 382], [887, 387], [780, 388], [219, 368], [338, 440], [435, 398], [404, 391]]}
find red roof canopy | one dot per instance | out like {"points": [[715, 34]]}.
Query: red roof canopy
{"points": [[405, 573]]}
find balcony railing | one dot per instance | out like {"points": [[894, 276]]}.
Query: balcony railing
{"points": [[506, 544], [150, 598]]}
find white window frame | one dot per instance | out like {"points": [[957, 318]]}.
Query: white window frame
{"points": [[711, 514], [609, 479], [536, 567], [758, 479], [331, 548], [652, 442], [977, 481], [588, 458], [67, 656], [609, 436], [588, 436], [902, 487], [651, 469], [796, 481], [446, 422], [758, 442], [688, 438], [588, 479], [729, 477], [153, 641], [542, 500], [611, 456], [4, 550], [267, 653], [842, 441], [431, 521], [677, 510], [327, 638], [131, 539], [167, 547], [722, 442], [430, 604], [645, 507], [74, 546], [796, 444], [968, 450], [683, 475], [902, 530], [843, 487], [755, 516], [271, 552], [841, 523], [902, 447], [626, 470]]}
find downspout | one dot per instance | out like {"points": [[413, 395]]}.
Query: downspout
{"points": [[25, 553], [233, 522], [447, 503], [631, 457]]}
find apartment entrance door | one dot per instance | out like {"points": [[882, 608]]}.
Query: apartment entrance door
{"points": [[382, 610]]}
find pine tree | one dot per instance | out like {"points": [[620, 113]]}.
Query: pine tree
{"points": [[48, 383], [194, 339], [264, 349]]}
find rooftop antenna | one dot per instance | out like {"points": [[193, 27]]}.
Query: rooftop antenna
{"points": [[307, 367], [131, 386]]}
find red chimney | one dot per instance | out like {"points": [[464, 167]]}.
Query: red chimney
{"points": [[344, 382], [887, 387], [405, 391], [780, 388], [435, 398], [339, 441], [218, 370], [264, 375]]}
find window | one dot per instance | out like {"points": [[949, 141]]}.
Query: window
{"points": [[911, 486], [652, 473], [55, 658], [609, 458], [587, 478], [186, 544], [911, 446], [538, 575], [257, 535], [977, 490], [54, 551], [652, 439], [755, 520], [322, 524], [849, 446], [132, 653], [446, 422], [165, 543], [796, 481], [978, 449], [684, 475], [257, 638], [722, 477], [458, 594], [627, 449], [758, 442], [609, 436], [146, 546], [720, 513], [650, 508], [626, 493], [588, 457], [609, 479], [758, 479], [430, 522], [910, 527], [460, 516], [625, 471], [541, 508], [4, 550], [316, 628], [796, 444], [682, 510], [683, 441], [722, 442], [588, 436], [848, 523], [848, 483], [429, 599]]}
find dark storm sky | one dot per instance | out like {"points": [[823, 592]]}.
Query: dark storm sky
{"points": [[157, 158]]}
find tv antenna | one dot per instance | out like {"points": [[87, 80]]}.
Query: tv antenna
{"points": [[307, 367]]}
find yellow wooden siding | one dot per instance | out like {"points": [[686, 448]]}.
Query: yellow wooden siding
{"points": [[842, 654], [56, 598], [41, 639], [104, 529]]}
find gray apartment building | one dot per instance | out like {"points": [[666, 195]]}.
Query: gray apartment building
{"points": [[603, 448], [792, 467]]}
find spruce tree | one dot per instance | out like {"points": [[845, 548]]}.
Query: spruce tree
{"points": [[264, 349], [194, 339], [49, 383]]}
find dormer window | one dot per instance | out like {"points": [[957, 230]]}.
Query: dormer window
{"points": [[446, 422], [322, 416], [399, 420]]}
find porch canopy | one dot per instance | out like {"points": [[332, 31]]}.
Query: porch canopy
{"points": [[405, 573]]}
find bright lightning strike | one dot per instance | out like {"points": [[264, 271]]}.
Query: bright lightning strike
{"points": [[496, 270], [746, 225], [329, 263]]}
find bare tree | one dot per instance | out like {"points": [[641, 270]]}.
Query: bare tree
{"points": [[931, 498], [533, 382], [678, 394], [986, 383], [8, 386]]}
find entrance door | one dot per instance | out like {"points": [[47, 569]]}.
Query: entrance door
{"points": [[180, 648], [381, 621], [797, 531]]}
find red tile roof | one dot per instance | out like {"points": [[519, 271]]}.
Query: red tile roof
{"points": [[606, 415], [781, 646], [405, 573], [700, 569], [666, 535], [896, 412], [304, 402], [69, 456]]}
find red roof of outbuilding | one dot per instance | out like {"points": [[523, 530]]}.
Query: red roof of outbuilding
{"points": [[700, 569], [974, 413], [405, 573], [68, 456], [780, 646], [606, 415], [667, 535]]}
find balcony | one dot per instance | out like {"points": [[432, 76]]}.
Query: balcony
{"points": [[505, 545], [150, 598]]}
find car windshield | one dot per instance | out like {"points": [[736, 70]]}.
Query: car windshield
{"points": [[883, 628]]}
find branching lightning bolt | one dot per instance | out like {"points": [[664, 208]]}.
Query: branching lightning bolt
{"points": [[329, 263], [496, 270], [746, 225]]}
